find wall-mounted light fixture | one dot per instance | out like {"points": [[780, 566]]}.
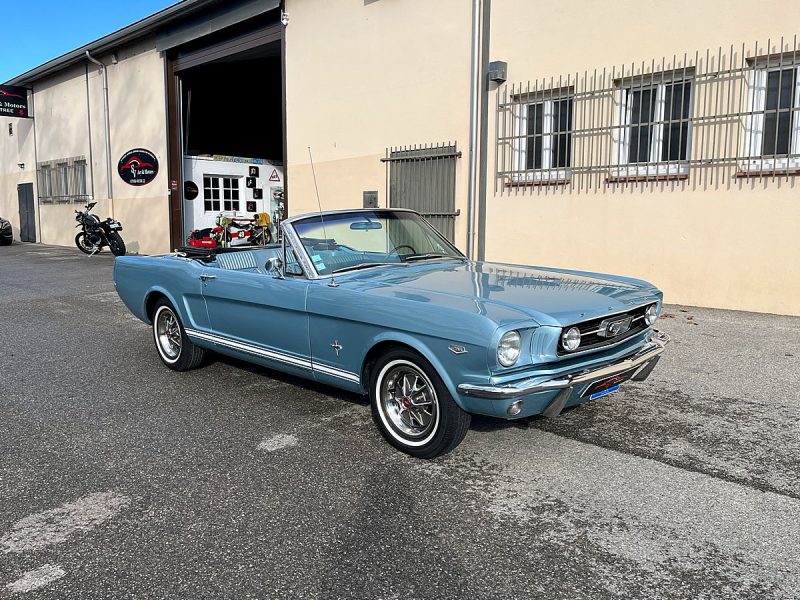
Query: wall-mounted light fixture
{"points": [[10, 129], [21, 166]]}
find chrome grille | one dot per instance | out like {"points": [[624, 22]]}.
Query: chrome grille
{"points": [[591, 331]]}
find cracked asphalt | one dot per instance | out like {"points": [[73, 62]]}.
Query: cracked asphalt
{"points": [[122, 479]]}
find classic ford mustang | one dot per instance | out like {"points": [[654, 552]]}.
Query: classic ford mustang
{"points": [[376, 301]]}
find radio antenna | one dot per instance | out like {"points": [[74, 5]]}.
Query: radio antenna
{"points": [[319, 204]]}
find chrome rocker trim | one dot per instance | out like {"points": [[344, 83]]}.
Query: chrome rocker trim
{"points": [[649, 351]]}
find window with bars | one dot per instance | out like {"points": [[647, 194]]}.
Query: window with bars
{"points": [[773, 128], [220, 193], [713, 116], [544, 140], [654, 127], [63, 181]]}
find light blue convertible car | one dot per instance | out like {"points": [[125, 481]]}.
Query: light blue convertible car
{"points": [[376, 301]]}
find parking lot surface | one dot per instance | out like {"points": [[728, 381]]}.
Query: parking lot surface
{"points": [[120, 478]]}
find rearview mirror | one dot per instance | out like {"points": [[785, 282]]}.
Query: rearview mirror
{"points": [[365, 225]]}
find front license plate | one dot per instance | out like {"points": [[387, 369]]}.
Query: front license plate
{"points": [[607, 385]]}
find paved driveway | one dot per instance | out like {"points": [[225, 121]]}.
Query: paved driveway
{"points": [[120, 478]]}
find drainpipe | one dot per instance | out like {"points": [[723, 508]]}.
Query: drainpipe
{"points": [[475, 81], [107, 132]]}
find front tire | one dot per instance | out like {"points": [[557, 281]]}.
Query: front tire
{"points": [[412, 407], [117, 244], [174, 347], [83, 244]]}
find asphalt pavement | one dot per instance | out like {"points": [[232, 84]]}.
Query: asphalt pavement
{"points": [[122, 479]]}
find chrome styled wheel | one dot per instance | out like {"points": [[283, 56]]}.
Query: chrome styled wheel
{"points": [[168, 334], [174, 347], [408, 402]]}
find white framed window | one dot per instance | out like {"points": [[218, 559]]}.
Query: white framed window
{"points": [[653, 120], [220, 193], [80, 177], [543, 145], [46, 181], [63, 179], [772, 126]]}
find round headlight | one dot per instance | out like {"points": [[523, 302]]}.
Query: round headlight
{"points": [[650, 315], [508, 348], [571, 339]]}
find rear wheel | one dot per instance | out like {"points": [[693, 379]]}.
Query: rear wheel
{"points": [[84, 245], [412, 407], [116, 243], [174, 347]]}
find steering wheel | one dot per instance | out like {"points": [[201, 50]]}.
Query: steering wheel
{"points": [[396, 248]]}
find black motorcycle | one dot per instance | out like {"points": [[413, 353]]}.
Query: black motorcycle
{"points": [[97, 233]]}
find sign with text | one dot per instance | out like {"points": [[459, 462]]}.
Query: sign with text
{"points": [[13, 101], [138, 167]]}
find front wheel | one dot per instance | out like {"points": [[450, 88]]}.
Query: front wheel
{"points": [[174, 347], [117, 244], [84, 245], [412, 407]]}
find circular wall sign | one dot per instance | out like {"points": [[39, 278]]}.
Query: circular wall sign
{"points": [[138, 167], [190, 190]]}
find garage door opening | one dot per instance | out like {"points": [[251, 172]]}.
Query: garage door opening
{"points": [[228, 146]]}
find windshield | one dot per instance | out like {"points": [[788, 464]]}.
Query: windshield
{"points": [[360, 240]]}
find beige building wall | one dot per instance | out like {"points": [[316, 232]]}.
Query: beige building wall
{"points": [[361, 78], [15, 149], [69, 120], [727, 246]]}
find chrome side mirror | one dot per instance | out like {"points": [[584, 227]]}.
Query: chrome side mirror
{"points": [[274, 265]]}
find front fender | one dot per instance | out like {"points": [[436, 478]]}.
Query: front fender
{"points": [[447, 367]]}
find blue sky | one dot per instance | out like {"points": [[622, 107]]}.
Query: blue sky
{"points": [[34, 31]]}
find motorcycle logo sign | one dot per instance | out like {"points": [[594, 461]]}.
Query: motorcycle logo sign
{"points": [[138, 167]]}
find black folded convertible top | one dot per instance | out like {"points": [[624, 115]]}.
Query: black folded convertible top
{"points": [[210, 254]]}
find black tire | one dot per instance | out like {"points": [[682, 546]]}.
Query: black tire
{"points": [[182, 356], [447, 423], [80, 242], [6, 241], [116, 244]]}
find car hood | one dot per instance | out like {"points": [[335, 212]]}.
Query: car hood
{"points": [[506, 292]]}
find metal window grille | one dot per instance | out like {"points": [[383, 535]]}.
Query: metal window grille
{"points": [[63, 181], [423, 178], [721, 118]]}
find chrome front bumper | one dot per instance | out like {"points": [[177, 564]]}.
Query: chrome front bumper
{"points": [[643, 358]]}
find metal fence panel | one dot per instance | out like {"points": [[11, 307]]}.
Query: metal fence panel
{"points": [[423, 178]]}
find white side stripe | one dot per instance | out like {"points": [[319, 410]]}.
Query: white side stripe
{"points": [[273, 355]]}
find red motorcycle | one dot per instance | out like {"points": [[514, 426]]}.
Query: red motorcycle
{"points": [[232, 232]]}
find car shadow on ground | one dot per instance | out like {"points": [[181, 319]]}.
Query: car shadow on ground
{"points": [[480, 423]]}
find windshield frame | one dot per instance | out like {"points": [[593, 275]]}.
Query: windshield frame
{"points": [[308, 265]]}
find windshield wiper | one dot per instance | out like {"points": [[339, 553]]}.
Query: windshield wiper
{"points": [[364, 266], [414, 257]]}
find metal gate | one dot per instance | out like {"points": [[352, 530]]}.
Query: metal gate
{"points": [[424, 179], [27, 216]]}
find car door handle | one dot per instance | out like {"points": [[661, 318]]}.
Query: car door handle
{"points": [[207, 277]]}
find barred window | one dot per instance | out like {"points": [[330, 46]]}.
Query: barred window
{"points": [[717, 116], [654, 120], [773, 130], [63, 181], [544, 141]]}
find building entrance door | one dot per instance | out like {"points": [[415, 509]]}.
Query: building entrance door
{"points": [[27, 216]]}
